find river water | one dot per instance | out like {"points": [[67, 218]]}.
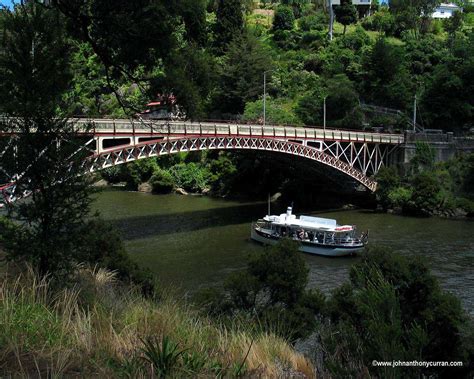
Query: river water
{"points": [[192, 242]]}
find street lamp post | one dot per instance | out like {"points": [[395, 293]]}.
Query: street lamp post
{"points": [[331, 20], [265, 96], [414, 115], [324, 113]]}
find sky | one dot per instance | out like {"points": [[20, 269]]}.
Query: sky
{"points": [[6, 2]]}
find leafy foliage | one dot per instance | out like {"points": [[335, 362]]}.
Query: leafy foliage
{"points": [[387, 180], [53, 220], [163, 356], [229, 23], [393, 309], [191, 176], [284, 18], [242, 80], [162, 181], [346, 13], [273, 289]]}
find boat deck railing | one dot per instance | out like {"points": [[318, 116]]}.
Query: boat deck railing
{"points": [[328, 241]]}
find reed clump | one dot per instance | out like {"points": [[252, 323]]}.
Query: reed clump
{"points": [[99, 326]]}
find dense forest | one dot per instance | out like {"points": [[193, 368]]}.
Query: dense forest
{"points": [[215, 64]]}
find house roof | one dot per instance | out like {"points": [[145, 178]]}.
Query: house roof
{"points": [[448, 5]]}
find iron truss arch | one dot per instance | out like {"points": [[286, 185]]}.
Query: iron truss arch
{"points": [[368, 159]]}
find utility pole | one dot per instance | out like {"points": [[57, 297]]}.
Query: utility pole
{"points": [[414, 115], [265, 96], [331, 20], [324, 114]]}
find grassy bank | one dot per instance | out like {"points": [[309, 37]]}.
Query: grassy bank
{"points": [[101, 327]]}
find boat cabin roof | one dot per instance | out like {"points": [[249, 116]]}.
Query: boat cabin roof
{"points": [[309, 222]]}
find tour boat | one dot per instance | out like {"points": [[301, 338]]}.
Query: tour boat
{"points": [[316, 235]]}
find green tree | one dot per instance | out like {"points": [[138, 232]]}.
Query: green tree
{"points": [[386, 80], [454, 23], [317, 21], [102, 245], [223, 171], [229, 23], [425, 196], [446, 102], [241, 75], [34, 74], [342, 105], [346, 14], [310, 108], [387, 180], [189, 75], [136, 50], [284, 19], [296, 5], [384, 22], [413, 14], [191, 176]]}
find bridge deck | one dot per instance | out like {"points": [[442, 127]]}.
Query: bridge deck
{"points": [[107, 127]]}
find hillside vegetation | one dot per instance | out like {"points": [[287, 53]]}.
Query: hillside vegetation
{"points": [[98, 326]]}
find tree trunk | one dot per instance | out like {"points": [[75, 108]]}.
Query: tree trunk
{"points": [[344, 31]]}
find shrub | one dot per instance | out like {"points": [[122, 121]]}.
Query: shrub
{"points": [[163, 356], [284, 18], [317, 21], [138, 172], [466, 205], [387, 180], [191, 177], [103, 246], [113, 174], [271, 291], [381, 21], [399, 197], [161, 181], [57, 333], [425, 196], [277, 112], [393, 308]]}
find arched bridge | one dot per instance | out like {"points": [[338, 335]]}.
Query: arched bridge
{"points": [[357, 154], [354, 153]]}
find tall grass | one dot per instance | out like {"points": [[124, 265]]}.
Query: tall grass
{"points": [[97, 327]]}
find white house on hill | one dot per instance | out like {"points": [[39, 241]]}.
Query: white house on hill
{"points": [[354, 2], [446, 10]]}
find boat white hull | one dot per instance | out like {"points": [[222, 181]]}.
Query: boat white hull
{"points": [[328, 251]]}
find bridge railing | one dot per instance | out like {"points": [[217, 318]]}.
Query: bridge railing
{"points": [[224, 129]]}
